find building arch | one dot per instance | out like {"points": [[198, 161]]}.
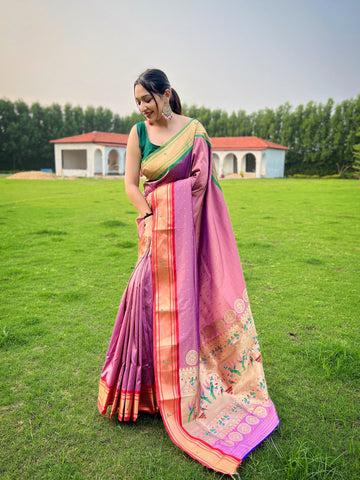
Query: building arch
{"points": [[230, 164], [113, 161], [216, 161], [250, 163]]}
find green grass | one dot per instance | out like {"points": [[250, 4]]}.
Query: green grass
{"points": [[67, 250]]}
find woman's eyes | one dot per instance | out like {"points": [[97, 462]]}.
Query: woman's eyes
{"points": [[145, 100]]}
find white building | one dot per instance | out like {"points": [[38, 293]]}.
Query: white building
{"points": [[248, 157], [100, 153], [90, 154]]}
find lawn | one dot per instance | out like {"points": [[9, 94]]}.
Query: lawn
{"points": [[67, 250]]}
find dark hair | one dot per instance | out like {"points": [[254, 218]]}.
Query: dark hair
{"points": [[156, 82]]}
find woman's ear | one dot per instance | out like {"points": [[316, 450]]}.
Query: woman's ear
{"points": [[167, 93]]}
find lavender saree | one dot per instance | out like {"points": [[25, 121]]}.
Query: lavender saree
{"points": [[184, 341]]}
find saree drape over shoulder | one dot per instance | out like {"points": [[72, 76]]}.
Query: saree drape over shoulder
{"points": [[184, 341]]}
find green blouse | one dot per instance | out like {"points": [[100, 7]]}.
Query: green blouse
{"points": [[146, 147]]}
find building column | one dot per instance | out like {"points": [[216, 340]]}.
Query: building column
{"points": [[90, 158], [238, 163], [104, 161], [258, 156], [242, 162], [222, 156], [121, 162], [58, 162]]}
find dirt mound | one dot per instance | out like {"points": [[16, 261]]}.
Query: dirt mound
{"points": [[33, 175]]}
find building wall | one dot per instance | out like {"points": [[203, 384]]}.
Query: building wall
{"points": [[275, 163], [96, 159], [234, 162], [268, 163]]}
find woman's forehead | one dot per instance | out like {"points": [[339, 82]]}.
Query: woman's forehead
{"points": [[140, 91]]}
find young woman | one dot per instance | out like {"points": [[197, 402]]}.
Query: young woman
{"points": [[184, 340]]}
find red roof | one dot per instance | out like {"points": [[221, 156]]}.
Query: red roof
{"points": [[218, 143], [100, 138], [243, 143]]}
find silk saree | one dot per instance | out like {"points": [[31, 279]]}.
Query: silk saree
{"points": [[184, 340]]}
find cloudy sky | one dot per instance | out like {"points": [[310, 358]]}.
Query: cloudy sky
{"points": [[229, 54]]}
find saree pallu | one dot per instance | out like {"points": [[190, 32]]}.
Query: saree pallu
{"points": [[190, 294]]}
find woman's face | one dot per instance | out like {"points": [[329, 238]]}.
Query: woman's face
{"points": [[146, 103]]}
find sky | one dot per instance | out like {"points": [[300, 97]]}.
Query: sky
{"points": [[228, 54]]}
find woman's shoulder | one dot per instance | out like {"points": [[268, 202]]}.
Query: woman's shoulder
{"points": [[182, 120], [138, 126], [199, 127], [134, 134], [195, 128], [194, 121], [138, 130]]}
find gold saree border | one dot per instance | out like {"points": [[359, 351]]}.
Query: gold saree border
{"points": [[127, 403], [166, 336], [161, 160], [105, 397], [173, 141]]}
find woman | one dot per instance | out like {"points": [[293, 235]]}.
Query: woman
{"points": [[184, 340]]}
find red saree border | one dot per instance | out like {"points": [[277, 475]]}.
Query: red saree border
{"points": [[127, 403], [166, 336]]}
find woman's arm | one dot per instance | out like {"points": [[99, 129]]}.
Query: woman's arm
{"points": [[132, 174]]}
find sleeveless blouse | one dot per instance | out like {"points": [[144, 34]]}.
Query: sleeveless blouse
{"points": [[146, 147]]}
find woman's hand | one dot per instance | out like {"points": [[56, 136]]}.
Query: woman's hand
{"points": [[148, 231], [145, 235]]}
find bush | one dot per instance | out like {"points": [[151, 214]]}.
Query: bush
{"points": [[336, 175], [303, 175]]}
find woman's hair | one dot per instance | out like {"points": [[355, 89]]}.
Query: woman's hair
{"points": [[156, 82]]}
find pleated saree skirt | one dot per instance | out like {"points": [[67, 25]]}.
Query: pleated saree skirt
{"points": [[127, 381]]}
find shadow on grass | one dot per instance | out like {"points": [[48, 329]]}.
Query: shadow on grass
{"points": [[113, 223], [47, 231]]}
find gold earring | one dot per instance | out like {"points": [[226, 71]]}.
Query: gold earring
{"points": [[167, 113]]}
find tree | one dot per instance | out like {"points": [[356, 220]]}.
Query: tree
{"points": [[321, 137], [20, 133], [233, 125], [38, 142], [7, 140], [103, 119], [78, 115], [70, 126], [117, 124], [89, 119], [204, 116], [53, 122], [356, 163], [245, 125]]}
